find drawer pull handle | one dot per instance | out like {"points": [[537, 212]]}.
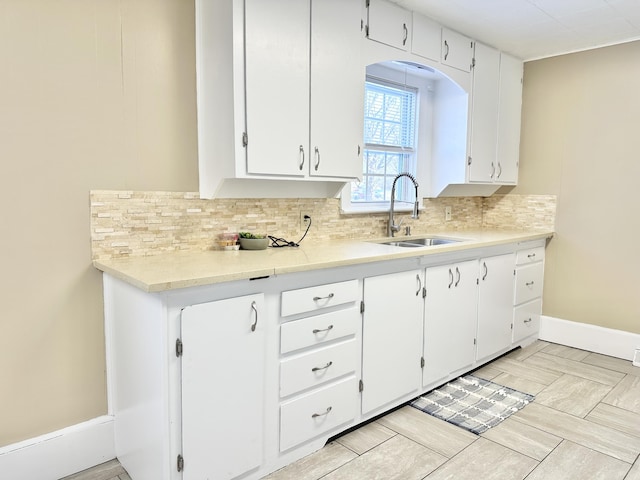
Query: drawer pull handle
{"points": [[528, 320], [255, 310], [318, 330], [315, 415], [531, 255], [316, 369], [528, 284], [328, 297]]}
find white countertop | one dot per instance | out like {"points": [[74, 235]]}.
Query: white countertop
{"points": [[196, 268]]}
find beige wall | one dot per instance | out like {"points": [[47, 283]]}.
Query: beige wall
{"points": [[581, 142], [93, 94]]}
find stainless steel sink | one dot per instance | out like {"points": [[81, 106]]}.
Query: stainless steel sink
{"points": [[421, 242]]}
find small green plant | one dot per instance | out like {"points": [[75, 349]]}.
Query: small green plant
{"points": [[250, 235]]}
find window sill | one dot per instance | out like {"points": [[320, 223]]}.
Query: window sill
{"points": [[368, 209]]}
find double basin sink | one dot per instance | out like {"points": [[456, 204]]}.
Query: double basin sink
{"points": [[420, 242]]}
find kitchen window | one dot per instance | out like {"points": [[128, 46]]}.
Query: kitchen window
{"points": [[395, 103], [389, 138]]}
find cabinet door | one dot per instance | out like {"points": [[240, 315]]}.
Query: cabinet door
{"points": [[392, 338], [426, 37], [509, 119], [277, 86], [484, 115], [337, 89], [222, 417], [449, 319], [388, 23], [457, 50], [495, 304]]}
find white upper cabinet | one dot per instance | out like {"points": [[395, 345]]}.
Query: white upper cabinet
{"points": [[457, 50], [388, 23], [426, 36], [494, 142], [337, 89], [280, 96], [483, 136], [284, 52], [509, 118], [277, 86]]}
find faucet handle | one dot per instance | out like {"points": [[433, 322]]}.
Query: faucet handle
{"points": [[407, 230]]}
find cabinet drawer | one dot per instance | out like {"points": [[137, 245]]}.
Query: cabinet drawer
{"points": [[319, 297], [529, 282], [530, 255], [526, 319], [317, 330], [317, 367], [318, 412]]}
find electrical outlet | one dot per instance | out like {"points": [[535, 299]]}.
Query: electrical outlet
{"points": [[636, 357], [304, 222], [447, 214]]}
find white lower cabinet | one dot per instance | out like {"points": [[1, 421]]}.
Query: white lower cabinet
{"points": [[495, 310], [391, 338], [528, 292], [449, 320], [238, 379], [222, 418], [317, 412], [320, 360], [526, 320], [317, 367]]}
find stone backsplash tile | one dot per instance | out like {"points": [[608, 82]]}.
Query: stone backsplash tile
{"points": [[519, 212], [128, 223]]}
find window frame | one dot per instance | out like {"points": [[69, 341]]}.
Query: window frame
{"points": [[400, 76], [408, 137]]}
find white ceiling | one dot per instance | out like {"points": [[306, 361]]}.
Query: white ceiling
{"points": [[531, 29]]}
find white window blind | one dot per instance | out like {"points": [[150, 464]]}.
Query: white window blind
{"points": [[389, 137]]}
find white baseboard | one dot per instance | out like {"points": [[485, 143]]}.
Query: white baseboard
{"points": [[607, 341], [61, 453]]}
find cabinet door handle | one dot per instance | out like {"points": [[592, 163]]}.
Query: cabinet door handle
{"points": [[315, 369], [450, 278], [255, 310], [326, 412], [499, 170], [301, 157], [446, 54], [529, 284], [318, 330], [317, 152], [458, 276], [328, 297], [406, 34], [531, 255], [486, 270], [493, 170], [419, 284], [528, 320]]}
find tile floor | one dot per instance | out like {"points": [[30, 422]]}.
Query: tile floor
{"points": [[584, 424]]}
